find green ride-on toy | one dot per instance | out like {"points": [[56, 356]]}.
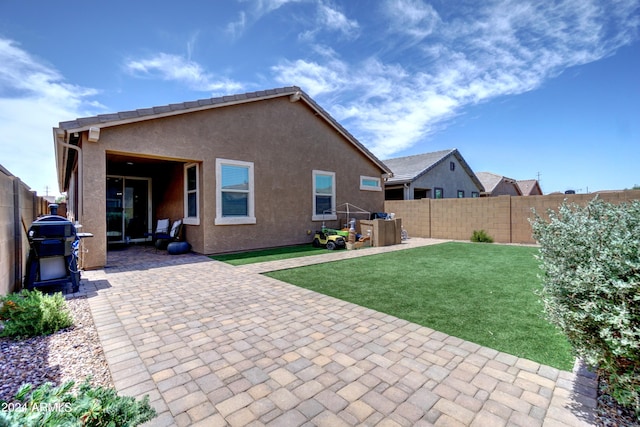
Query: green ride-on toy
{"points": [[329, 239]]}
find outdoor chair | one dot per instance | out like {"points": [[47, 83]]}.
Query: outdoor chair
{"points": [[162, 230], [162, 240]]}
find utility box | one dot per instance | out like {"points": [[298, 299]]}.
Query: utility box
{"points": [[384, 232]]}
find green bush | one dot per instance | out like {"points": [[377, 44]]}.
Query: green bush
{"points": [[49, 406], [481, 236], [590, 258], [32, 313]]}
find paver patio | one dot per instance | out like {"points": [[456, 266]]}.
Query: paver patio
{"points": [[217, 345]]}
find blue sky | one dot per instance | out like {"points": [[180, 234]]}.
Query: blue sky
{"points": [[521, 88]]}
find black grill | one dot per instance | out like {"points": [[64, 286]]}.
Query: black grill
{"points": [[53, 252]]}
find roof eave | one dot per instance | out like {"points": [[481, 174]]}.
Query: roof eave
{"points": [[294, 92]]}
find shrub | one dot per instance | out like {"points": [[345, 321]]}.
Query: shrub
{"points": [[590, 258], [481, 236], [32, 313], [49, 406]]}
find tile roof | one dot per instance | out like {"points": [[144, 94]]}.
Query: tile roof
{"points": [[408, 169], [83, 123], [124, 117], [411, 167], [491, 180], [527, 186]]}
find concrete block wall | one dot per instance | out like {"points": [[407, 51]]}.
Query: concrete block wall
{"points": [[19, 206], [504, 218], [415, 215]]}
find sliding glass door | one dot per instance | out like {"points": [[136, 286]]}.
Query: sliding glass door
{"points": [[128, 209]]}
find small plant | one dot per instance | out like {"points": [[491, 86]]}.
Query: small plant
{"points": [[49, 406], [481, 236], [32, 313]]}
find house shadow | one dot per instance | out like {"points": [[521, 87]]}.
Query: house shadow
{"points": [[136, 257], [584, 393]]}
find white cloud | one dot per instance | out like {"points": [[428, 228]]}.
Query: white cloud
{"points": [[177, 68], [313, 77], [236, 29], [498, 48], [332, 19], [33, 98], [413, 17]]}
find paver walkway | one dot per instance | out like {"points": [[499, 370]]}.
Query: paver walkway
{"points": [[216, 345]]}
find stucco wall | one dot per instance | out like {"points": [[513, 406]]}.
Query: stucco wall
{"points": [[504, 218], [505, 188], [450, 181], [284, 140]]}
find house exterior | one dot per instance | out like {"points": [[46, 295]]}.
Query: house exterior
{"points": [[248, 171], [436, 175], [498, 185], [529, 187]]}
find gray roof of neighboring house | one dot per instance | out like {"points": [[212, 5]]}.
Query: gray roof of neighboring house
{"points": [[408, 169], [293, 92]]}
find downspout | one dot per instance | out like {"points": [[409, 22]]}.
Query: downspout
{"points": [[60, 140]]}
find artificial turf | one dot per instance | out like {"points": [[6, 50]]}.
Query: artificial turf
{"points": [[478, 292], [264, 255]]}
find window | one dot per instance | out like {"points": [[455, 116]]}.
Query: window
{"points": [[460, 194], [191, 190], [452, 166], [370, 183], [234, 193], [475, 194], [438, 193], [324, 196]]}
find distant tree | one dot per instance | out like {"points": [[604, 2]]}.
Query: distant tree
{"points": [[636, 187]]}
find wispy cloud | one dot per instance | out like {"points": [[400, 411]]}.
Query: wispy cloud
{"points": [[497, 48], [182, 70], [256, 10], [413, 17], [330, 18], [236, 28], [33, 98]]}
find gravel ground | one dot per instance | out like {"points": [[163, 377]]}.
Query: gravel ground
{"points": [[74, 353]]}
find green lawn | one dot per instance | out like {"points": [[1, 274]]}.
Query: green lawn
{"points": [[478, 292], [269, 254]]}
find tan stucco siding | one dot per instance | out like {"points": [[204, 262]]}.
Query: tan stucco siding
{"points": [[285, 142]]}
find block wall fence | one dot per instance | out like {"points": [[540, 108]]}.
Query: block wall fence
{"points": [[19, 207], [504, 218]]}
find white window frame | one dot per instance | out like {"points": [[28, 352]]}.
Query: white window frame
{"points": [[236, 220], [191, 220], [328, 217], [365, 187]]}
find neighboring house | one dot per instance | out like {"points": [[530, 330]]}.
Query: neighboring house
{"points": [[529, 187], [255, 170], [498, 185], [436, 175]]}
